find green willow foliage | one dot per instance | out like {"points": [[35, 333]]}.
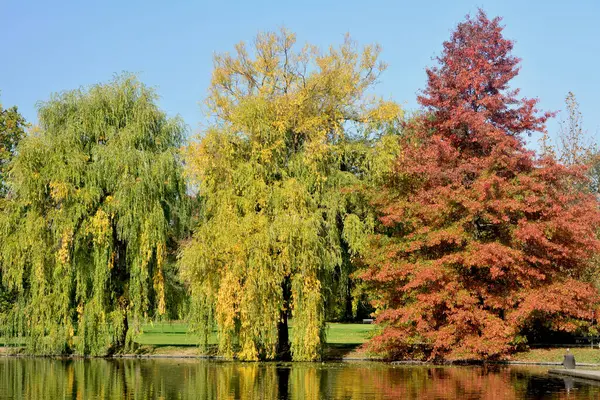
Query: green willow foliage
{"points": [[12, 130], [291, 136], [98, 197]]}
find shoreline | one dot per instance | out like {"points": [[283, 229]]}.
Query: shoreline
{"points": [[335, 352], [216, 358]]}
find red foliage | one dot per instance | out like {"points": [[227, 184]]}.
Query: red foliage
{"points": [[479, 241]]}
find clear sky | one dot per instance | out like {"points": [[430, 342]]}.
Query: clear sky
{"points": [[50, 46]]}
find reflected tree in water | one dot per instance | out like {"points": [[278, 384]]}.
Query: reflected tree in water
{"points": [[193, 379]]}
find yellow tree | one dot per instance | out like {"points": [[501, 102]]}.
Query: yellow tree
{"points": [[292, 128]]}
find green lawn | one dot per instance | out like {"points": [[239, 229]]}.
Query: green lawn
{"points": [[582, 355], [175, 334], [12, 342], [349, 333], [169, 334], [172, 338]]}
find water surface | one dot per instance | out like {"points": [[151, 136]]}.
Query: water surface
{"points": [[39, 378]]}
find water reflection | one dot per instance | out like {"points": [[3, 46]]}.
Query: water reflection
{"points": [[34, 378], [569, 384]]}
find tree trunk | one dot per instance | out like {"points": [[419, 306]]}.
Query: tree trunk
{"points": [[283, 337], [348, 314]]}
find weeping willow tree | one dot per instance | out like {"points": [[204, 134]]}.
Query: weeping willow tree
{"points": [[290, 139], [97, 199]]}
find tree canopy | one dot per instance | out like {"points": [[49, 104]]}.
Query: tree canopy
{"points": [[480, 247], [291, 132], [573, 147], [305, 197], [97, 194]]}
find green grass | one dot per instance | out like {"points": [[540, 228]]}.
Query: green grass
{"points": [[172, 338], [582, 355], [342, 340], [169, 334], [349, 333], [161, 334], [175, 334], [12, 342]]}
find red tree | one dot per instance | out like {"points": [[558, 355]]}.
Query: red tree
{"points": [[480, 244]]}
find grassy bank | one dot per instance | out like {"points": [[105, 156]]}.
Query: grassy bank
{"points": [[343, 341], [582, 355], [176, 334], [173, 339]]}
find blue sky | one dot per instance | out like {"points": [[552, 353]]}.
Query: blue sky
{"points": [[51, 46]]}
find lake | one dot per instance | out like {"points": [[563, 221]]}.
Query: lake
{"points": [[41, 378]]}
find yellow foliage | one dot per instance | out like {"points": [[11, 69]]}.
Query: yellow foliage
{"points": [[111, 260], [100, 227], [63, 251], [159, 279], [159, 287], [265, 170], [58, 191]]}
